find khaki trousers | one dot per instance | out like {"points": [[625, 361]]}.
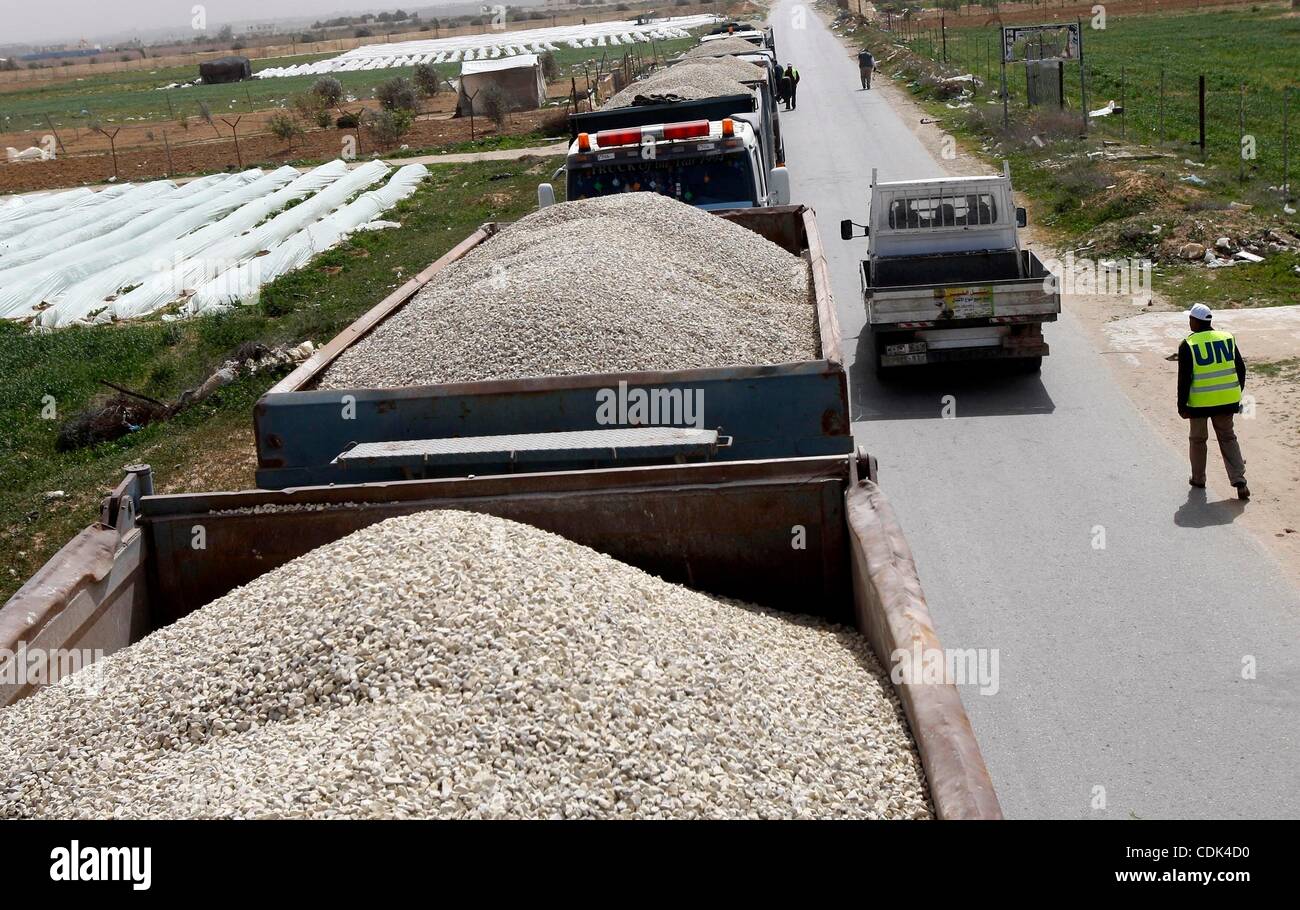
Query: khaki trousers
{"points": [[1231, 451]]}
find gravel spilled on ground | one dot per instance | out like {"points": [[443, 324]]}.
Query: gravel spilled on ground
{"points": [[633, 281], [449, 664]]}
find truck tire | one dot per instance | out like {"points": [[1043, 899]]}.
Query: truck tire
{"points": [[1029, 364]]}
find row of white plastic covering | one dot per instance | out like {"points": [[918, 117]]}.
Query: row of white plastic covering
{"points": [[130, 250], [491, 45], [243, 282]]}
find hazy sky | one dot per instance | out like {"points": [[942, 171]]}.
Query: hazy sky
{"points": [[60, 20]]}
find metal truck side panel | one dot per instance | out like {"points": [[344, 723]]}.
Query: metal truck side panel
{"points": [[723, 528], [92, 595], [892, 613]]}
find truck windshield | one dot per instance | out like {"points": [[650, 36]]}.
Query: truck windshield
{"points": [[701, 181]]}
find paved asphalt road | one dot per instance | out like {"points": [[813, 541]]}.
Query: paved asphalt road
{"points": [[1119, 667]]}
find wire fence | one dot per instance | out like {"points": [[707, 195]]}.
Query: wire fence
{"points": [[1211, 116]]}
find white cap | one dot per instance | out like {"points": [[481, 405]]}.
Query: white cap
{"points": [[1200, 311]]}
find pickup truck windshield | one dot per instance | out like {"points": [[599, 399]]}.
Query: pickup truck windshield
{"points": [[696, 181]]}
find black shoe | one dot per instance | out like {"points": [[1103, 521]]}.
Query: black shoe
{"points": [[1199, 486], [1243, 491]]}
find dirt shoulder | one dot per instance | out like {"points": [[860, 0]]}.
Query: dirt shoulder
{"points": [[1134, 338]]}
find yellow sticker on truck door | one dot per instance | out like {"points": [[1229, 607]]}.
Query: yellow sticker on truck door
{"points": [[964, 303]]}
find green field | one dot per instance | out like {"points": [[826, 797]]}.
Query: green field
{"points": [[161, 359], [135, 96], [1256, 48]]}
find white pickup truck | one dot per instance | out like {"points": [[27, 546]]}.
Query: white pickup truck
{"points": [[945, 277]]}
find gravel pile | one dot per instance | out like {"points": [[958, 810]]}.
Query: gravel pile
{"points": [[448, 664], [722, 47], [685, 81], [633, 281]]}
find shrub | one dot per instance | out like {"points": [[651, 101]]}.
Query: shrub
{"points": [[389, 126], [329, 90], [284, 127], [427, 79], [550, 66], [397, 94], [348, 121], [492, 102]]}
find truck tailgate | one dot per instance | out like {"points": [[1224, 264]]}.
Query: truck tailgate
{"points": [[1020, 297]]}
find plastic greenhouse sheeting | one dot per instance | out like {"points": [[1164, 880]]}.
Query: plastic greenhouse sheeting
{"points": [[138, 202], [294, 251], [20, 209], [26, 287], [231, 241], [30, 234], [148, 257]]}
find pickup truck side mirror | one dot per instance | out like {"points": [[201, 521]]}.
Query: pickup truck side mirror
{"points": [[846, 229], [545, 195], [778, 184], [1022, 218]]}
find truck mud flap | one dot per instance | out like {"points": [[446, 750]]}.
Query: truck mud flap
{"points": [[891, 612]]}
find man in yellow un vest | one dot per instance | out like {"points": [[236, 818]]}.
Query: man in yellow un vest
{"points": [[1211, 375]]}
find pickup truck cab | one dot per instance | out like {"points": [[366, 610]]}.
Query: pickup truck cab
{"points": [[946, 279]]}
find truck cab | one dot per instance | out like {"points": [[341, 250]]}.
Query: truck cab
{"points": [[710, 164], [946, 279], [716, 153]]}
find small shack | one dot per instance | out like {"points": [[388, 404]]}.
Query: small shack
{"points": [[518, 78], [225, 69]]}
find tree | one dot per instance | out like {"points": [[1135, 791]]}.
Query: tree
{"points": [[389, 126], [492, 102], [427, 79], [284, 127], [329, 90], [397, 94], [226, 34], [550, 66]]}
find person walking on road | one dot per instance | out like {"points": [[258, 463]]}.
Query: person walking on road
{"points": [[1211, 375], [793, 75], [783, 90], [866, 63]]}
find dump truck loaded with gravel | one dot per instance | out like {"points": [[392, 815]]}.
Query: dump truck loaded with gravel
{"points": [[704, 131], [705, 621], [619, 330]]}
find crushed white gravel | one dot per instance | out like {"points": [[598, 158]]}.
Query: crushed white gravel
{"points": [[689, 82], [633, 281], [720, 47], [448, 664]]}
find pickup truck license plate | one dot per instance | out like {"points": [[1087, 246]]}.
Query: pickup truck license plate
{"points": [[912, 347]]}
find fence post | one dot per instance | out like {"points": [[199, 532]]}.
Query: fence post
{"points": [[1241, 134], [1286, 141], [1083, 79], [1162, 104], [1201, 93], [1123, 112]]}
